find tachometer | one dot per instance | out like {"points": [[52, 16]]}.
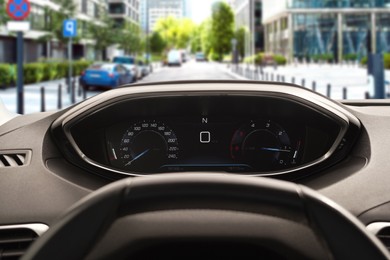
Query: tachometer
{"points": [[264, 145], [147, 145]]}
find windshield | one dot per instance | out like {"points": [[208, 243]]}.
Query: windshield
{"points": [[337, 48]]}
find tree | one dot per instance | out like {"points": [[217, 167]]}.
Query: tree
{"points": [[222, 28], [157, 43], [240, 37], [3, 13], [129, 38], [54, 21], [175, 32], [206, 36], [103, 33]]}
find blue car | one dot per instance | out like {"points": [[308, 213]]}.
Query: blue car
{"points": [[108, 75]]}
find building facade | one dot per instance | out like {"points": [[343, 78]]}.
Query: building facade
{"points": [[248, 15], [332, 30], [153, 10], [124, 11], [37, 48]]}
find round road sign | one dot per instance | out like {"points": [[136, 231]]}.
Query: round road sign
{"points": [[18, 9]]}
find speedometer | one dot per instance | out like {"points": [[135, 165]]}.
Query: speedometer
{"points": [[147, 145]]}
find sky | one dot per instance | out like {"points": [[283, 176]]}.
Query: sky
{"points": [[201, 9]]}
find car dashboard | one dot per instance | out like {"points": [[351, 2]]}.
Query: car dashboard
{"points": [[257, 129]]}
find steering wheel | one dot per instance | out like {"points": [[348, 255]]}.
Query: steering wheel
{"points": [[188, 216]]}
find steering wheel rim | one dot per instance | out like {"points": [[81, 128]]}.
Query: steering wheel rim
{"points": [[87, 228]]}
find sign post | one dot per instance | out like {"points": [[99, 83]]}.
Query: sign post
{"points": [[70, 31], [19, 10]]}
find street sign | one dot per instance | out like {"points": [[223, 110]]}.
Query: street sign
{"points": [[18, 26], [69, 29], [18, 9]]}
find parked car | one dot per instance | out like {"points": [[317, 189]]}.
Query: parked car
{"points": [[174, 58], [199, 56], [144, 68], [130, 63], [109, 75]]}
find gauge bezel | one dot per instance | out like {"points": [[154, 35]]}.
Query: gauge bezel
{"points": [[283, 91]]}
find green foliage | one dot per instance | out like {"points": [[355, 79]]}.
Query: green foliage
{"points": [[206, 32], [240, 37], [364, 60], [177, 33], [80, 66], [6, 75], [221, 28], [350, 57], [157, 43], [328, 57], [129, 38], [103, 33], [49, 71], [55, 19], [3, 13], [280, 60], [386, 60], [33, 72], [213, 56], [255, 59]]}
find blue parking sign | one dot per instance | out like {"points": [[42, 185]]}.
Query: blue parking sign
{"points": [[69, 29]]}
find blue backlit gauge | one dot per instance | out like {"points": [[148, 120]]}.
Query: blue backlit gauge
{"points": [[262, 144], [147, 145]]}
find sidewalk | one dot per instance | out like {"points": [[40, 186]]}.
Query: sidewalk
{"points": [[351, 77], [32, 95]]}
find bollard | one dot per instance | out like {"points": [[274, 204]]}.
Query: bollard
{"points": [[278, 78], [367, 95], [283, 79], [84, 93], [272, 77], [303, 83], [67, 86], [293, 80], [43, 106], [73, 97], [314, 86], [328, 90], [345, 93], [59, 101], [79, 90], [266, 76]]}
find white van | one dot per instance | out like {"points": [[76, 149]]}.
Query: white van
{"points": [[174, 58]]}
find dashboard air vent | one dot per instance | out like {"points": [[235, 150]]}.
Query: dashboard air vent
{"points": [[14, 158], [14, 242], [384, 236]]}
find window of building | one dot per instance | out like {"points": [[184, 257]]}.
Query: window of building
{"points": [[383, 32], [117, 8]]}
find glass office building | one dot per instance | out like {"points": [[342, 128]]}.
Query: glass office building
{"points": [[332, 30]]}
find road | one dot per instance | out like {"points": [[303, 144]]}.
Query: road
{"points": [[190, 71]]}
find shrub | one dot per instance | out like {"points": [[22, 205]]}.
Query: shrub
{"points": [[33, 72], [386, 60], [364, 60], [5, 75], [350, 57], [80, 66], [50, 71], [213, 56], [328, 57], [280, 60], [62, 70]]}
